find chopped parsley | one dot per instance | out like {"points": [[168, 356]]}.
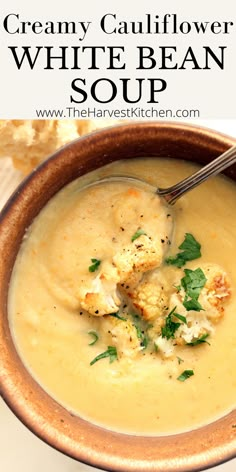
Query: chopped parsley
{"points": [[94, 336], [144, 342], [181, 318], [142, 337], [192, 283], [111, 353], [138, 233], [192, 304], [116, 315], [95, 264], [200, 340], [185, 375], [168, 331], [178, 288], [180, 360], [139, 332], [190, 250]]}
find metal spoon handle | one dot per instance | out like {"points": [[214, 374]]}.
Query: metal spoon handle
{"points": [[218, 165]]}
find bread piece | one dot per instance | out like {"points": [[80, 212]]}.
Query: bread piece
{"points": [[29, 142]]}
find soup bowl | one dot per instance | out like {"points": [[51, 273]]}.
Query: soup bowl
{"points": [[193, 450]]}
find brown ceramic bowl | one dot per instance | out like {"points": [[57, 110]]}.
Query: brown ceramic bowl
{"points": [[194, 450]]}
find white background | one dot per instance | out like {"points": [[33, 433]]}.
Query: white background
{"points": [[211, 91]]}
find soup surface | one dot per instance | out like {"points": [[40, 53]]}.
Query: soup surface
{"points": [[69, 272]]}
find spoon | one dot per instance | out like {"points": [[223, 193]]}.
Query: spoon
{"points": [[173, 193]]}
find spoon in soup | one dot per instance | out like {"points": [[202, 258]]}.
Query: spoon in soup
{"points": [[173, 193]]}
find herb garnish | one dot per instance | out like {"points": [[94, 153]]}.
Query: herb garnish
{"points": [[181, 318], [168, 331], [144, 342], [95, 264], [95, 337], [139, 332], [142, 337], [178, 288], [200, 340], [191, 250], [111, 353], [180, 360], [185, 375], [192, 283], [116, 315], [138, 233]]}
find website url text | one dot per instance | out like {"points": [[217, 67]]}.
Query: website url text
{"points": [[133, 112]]}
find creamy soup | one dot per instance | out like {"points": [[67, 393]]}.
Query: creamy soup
{"points": [[104, 318]]}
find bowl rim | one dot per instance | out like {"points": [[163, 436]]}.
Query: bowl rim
{"points": [[210, 445]]}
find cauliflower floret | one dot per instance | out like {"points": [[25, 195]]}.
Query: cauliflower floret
{"points": [[150, 297], [123, 334], [155, 327], [213, 295], [101, 298], [197, 322], [216, 291], [128, 265], [164, 346], [197, 325], [138, 257]]}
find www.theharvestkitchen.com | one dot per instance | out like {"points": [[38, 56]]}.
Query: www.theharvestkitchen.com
{"points": [[132, 112]]}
